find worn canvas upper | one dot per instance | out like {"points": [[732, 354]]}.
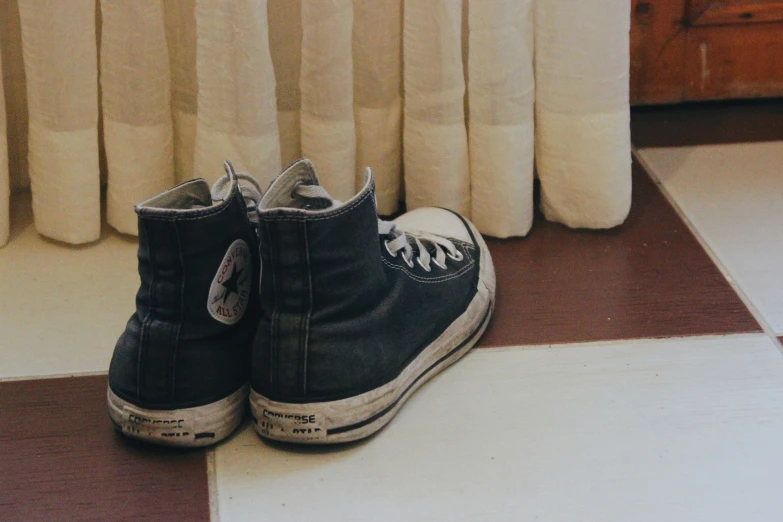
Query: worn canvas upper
{"points": [[340, 315], [187, 344]]}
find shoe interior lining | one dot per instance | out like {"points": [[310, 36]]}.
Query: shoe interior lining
{"points": [[190, 195]]}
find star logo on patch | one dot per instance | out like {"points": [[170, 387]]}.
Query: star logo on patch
{"points": [[229, 293], [231, 285]]}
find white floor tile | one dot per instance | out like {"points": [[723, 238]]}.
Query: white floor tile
{"points": [[733, 194], [62, 307], [669, 430]]}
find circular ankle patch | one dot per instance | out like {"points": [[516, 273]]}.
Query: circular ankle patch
{"points": [[229, 293]]}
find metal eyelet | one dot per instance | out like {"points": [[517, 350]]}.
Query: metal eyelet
{"points": [[386, 244], [441, 266], [459, 257], [426, 268], [408, 262]]}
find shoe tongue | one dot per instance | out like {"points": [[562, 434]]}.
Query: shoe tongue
{"points": [[297, 187], [314, 196]]}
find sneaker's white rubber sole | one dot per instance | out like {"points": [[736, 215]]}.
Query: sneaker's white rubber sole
{"points": [[186, 427], [358, 417]]}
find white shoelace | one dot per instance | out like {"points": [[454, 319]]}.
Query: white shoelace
{"points": [[249, 188], [400, 241]]}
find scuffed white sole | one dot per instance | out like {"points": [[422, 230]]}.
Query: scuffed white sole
{"points": [[186, 427], [358, 417]]}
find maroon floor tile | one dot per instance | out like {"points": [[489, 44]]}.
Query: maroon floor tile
{"points": [[61, 459], [647, 278], [707, 123]]}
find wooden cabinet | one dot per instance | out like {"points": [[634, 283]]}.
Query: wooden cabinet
{"points": [[687, 50]]}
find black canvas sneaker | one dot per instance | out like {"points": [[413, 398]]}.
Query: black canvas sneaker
{"points": [[357, 313], [179, 374]]}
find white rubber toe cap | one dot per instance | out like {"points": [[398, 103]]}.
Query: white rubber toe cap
{"points": [[435, 221]]}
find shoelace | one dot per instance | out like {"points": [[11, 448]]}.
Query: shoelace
{"points": [[399, 241], [249, 188]]}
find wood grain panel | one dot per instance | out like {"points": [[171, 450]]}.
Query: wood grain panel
{"points": [[734, 61], [657, 51], [647, 278], [724, 12], [61, 459]]}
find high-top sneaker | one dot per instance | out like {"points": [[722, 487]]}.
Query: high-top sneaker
{"points": [[180, 370], [357, 313]]}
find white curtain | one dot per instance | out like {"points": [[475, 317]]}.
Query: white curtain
{"points": [[61, 68], [377, 84], [583, 136], [438, 96], [501, 94], [285, 31], [136, 94], [181, 32], [237, 115], [435, 136]]}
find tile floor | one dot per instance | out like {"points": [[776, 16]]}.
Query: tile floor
{"points": [[628, 375]]}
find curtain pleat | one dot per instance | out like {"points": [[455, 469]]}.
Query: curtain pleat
{"points": [[136, 93], [583, 147], [60, 58], [501, 93], [377, 61], [16, 95], [451, 102], [5, 191], [285, 38], [181, 37], [237, 112], [326, 84], [435, 137]]}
